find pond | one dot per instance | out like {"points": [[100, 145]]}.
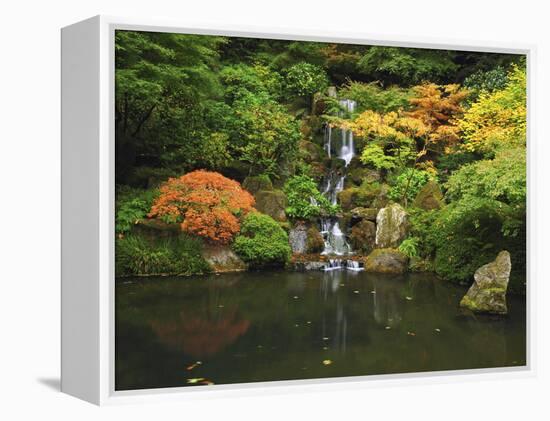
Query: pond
{"points": [[267, 326]]}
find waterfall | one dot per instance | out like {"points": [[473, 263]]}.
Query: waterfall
{"points": [[334, 238]]}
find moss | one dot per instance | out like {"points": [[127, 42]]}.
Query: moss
{"points": [[256, 183], [429, 197], [315, 242], [272, 203]]}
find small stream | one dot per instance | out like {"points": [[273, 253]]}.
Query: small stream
{"points": [[268, 326]]}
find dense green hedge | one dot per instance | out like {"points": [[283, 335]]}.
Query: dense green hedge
{"points": [[262, 242]]}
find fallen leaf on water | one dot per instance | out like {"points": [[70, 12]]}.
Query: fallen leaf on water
{"points": [[196, 380], [437, 330], [388, 327], [409, 298], [342, 285], [295, 297], [325, 348], [356, 292], [327, 362], [220, 306], [192, 366], [308, 322], [296, 325], [325, 338], [411, 333], [373, 292], [207, 382]]}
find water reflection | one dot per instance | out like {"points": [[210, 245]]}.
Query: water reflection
{"points": [[279, 325]]}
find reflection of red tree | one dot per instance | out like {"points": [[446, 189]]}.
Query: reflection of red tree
{"points": [[201, 338]]}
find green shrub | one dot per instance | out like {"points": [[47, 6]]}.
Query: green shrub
{"points": [[181, 255], [409, 247], [262, 242], [304, 199], [372, 96], [304, 79], [407, 184], [131, 206]]}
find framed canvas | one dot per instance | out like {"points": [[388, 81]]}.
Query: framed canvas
{"points": [[246, 208]]}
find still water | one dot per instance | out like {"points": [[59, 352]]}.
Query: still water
{"points": [[265, 326]]}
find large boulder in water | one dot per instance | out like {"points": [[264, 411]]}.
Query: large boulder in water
{"points": [[429, 197], [488, 292], [272, 203], [392, 225], [386, 261], [363, 236]]}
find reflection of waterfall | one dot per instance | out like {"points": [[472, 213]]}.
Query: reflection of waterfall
{"points": [[335, 239]]}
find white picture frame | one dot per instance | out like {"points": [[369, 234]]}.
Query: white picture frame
{"points": [[88, 213]]}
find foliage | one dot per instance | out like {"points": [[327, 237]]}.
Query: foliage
{"points": [[488, 81], [241, 80], [304, 79], [262, 242], [409, 247], [407, 66], [408, 184], [304, 199], [497, 119], [205, 203], [163, 84], [503, 178], [265, 135], [131, 206], [136, 255], [371, 96]]}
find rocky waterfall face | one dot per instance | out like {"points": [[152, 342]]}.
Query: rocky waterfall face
{"points": [[338, 145]]}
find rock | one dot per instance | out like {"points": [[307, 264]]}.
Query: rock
{"points": [[305, 238], [359, 214], [222, 259], [307, 266], [429, 197], [360, 175], [315, 242], [311, 151], [363, 236], [368, 195], [386, 261], [297, 237], [488, 292], [272, 203], [392, 226], [256, 183]]}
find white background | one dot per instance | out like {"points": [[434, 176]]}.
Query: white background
{"points": [[29, 208]]}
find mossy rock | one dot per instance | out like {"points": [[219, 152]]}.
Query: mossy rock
{"points": [[429, 197], [223, 259], [360, 175], [315, 242], [363, 236], [360, 213], [388, 260], [256, 183], [488, 292], [368, 195], [311, 152], [272, 203], [392, 226]]}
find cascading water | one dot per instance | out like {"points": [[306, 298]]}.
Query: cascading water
{"points": [[335, 240]]}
